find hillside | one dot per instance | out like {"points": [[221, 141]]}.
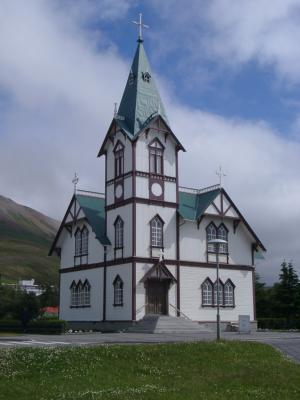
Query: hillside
{"points": [[25, 239]]}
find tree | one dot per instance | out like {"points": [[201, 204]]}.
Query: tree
{"points": [[263, 296], [287, 292], [49, 298]]}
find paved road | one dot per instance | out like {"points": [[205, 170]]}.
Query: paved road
{"points": [[287, 342]]}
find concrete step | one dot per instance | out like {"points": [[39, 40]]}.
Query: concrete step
{"points": [[167, 324]]}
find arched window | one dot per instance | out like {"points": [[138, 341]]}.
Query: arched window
{"points": [[156, 162], [211, 233], [78, 242], [221, 291], [156, 231], [73, 290], [229, 294], [207, 293], [84, 241], [119, 233], [86, 293], [223, 234], [119, 159], [79, 294], [118, 291]]}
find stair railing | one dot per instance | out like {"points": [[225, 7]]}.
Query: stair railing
{"points": [[141, 308], [180, 312]]}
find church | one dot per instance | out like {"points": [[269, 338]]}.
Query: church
{"points": [[143, 247]]}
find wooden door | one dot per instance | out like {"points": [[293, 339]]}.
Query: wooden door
{"points": [[157, 297]]}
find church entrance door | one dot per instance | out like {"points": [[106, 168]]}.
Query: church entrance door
{"points": [[157, 296]]}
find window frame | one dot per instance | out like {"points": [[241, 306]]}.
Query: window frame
{"points": [[156, 157], [118, 285], [161, 243], [232, 285], [118, 159], [119, 220], [207, 282], [78, 292], [213, 286]]}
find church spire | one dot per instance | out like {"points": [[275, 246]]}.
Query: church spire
{"points": [[141, 100]]}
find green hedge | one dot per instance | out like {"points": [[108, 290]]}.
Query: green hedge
{"points": [[38, 326], [278, 323]]}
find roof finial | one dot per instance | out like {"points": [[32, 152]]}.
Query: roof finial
{"points": [[115, 109], [220, 174], [75, 181], [141, 26]]}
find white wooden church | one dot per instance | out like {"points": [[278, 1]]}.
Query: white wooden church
{"points": [[142, 247]]}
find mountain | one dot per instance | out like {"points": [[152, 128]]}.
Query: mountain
{"points": [[25, 238]]}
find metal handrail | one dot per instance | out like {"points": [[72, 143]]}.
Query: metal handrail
{"points": [[140, 309], [180, 312], [199, 191]]}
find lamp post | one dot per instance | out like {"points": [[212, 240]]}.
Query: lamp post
{"points": [[217, 243]]}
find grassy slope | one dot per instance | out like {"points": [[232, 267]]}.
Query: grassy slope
{"points": [[225, 370], [25, 239]]}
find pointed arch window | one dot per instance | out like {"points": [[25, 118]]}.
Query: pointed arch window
{"points": [[214, 232], [211, 233], [119, 233], [80, 294], [78, 242], [73, 289], [156, 157], [221, 293], [84, 241], [223, 234], [119, 159], [86, 289], [156, 232], [207, 293], [229, 294], [81, 242], [118, 291]]}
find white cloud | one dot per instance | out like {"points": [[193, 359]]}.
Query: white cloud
{"points": [[235, 32], [59, 83]]}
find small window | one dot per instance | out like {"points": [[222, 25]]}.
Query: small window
{"points": [[156, 225], [221, 288], [119, 233], [84, 241], [118, 291], [156, 151], [131, 78], [211, 234], [146, 76], [119, 159], [207, 293], [229, 294], [86, 293], [80, 294], [78, 242], [222, 234]]}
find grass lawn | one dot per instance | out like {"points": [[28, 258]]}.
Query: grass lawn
{"points": [[225, 370]]}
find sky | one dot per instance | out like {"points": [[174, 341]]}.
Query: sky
{"points": [[229, 76]]}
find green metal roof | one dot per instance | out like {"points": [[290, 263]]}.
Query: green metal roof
{"points": [[94, 210], [192, 205], [141, 99]]}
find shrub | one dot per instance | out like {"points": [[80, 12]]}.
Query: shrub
{"points": [[278, 323], [38, 326]]}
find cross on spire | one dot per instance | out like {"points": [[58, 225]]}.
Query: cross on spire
{"points": [[141, 26], [75, 181], [220, 174]]}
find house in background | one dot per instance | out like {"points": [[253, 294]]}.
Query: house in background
{"points": [[142, 247]]}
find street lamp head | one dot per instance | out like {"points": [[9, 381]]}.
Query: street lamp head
{"points": [[217, 241]]}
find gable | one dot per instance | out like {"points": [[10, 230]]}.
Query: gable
{"points": [[194, 204], [90, 208]]}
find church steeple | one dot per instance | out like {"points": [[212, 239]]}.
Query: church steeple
{"points": [[141, 99]]}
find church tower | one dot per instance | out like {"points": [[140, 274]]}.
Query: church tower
{"points": [[141, 177]]}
